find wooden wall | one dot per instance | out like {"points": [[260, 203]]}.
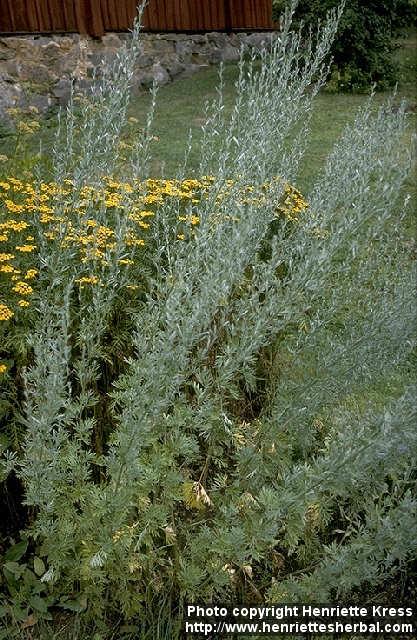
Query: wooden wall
{"points": [[95, 17]]}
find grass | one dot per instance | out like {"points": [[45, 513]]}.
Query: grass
{"points": [[180, 108]]}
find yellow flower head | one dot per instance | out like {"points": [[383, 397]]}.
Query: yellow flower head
{"points": [[5, 312], [6, 256], [6, 268], [26, 248], [30, 274], [13, 207], [87, 280], [23, 288]]}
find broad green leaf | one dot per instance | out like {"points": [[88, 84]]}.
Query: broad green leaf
{"points": [[38, 566], [38, 604], [16, 552]]}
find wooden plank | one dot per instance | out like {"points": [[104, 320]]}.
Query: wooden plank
{"points": [[227, 15], [7, 22], [251, 14], [131, 13], [152, 17], [182, 14], [80, 16], [93, 17], [107, 7], [19, 17], [68, 15], [98, 16], [171, 23], [50, 15]]}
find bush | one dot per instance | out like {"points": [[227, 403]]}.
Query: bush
{"points": [[362, 51], [238, 447]]}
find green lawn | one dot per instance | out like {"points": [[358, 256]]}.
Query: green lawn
{"points": [[180, 106]]}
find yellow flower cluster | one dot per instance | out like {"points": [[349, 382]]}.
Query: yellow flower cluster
{"points": [[5, 312], [86, 221]]}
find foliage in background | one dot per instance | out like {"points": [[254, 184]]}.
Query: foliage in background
{"points": [[219, 436], [363, 50]]}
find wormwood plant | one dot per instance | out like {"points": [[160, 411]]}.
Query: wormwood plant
{"points": [[248, 453]]}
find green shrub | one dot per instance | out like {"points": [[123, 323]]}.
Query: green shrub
{"points": [[362, 52], [240, 447]]}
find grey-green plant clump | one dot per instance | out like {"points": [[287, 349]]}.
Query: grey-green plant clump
{"points": [[244, 451]]}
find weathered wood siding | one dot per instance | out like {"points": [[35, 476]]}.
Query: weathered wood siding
{"points": [[95, 17]]}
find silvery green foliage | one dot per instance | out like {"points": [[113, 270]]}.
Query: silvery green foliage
{"points": [[326, 299], [385, 446], [253, 141], [199, 284], [349, 289], [88, 133]]}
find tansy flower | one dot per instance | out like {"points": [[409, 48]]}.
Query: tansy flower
{"points": [[30, 274], [23, 288], [26, 248], [12, 206], [14, 225], [3, 368], [23, 303], [87, 280], [5, 312]]}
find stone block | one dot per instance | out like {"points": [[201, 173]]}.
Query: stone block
{"points": [[215, 56], [229, 54], [5, 52], [155, 74], [10, 96], [52, 51], [67, 42], [111, 41], [163, 46], [41, 102], [183, 48], [198, 38], [192, 68], [37, 73], [11, 68], [219, 39], [62, 90], [144, 60], [174, 68]]}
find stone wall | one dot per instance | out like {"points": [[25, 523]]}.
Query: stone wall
{"points": [[37, 70]]}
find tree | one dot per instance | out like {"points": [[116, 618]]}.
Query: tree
{"points": [[362, 52]]}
